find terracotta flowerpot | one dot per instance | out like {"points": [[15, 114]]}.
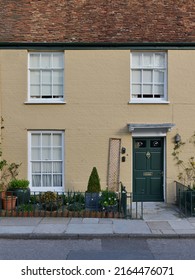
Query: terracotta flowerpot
{"points": [[9, 202]]}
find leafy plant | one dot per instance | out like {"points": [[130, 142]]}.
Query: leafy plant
{"points": [[76, 206], [50, 201], [108, 198], [25, 208], [18, 184], [186, 168], [94, 182], [8, 171], [72, 197]]}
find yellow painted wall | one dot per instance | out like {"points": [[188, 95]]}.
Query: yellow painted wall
{"points": [[97, 94]]}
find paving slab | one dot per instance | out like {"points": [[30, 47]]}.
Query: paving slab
{"points": [[19, 221], [88, 228], [130, 227], [54, 221], [159, 225], [10, 230], [50, 228], [181, 224]]}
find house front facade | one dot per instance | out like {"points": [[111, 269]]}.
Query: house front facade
{"points": [[69, 106]]}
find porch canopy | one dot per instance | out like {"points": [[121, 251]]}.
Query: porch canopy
{"points": [[138, 129]]}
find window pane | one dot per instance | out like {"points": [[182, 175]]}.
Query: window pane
{"points": [[58, 60], [147, 88], [136, 59], [47, 180], [46, 91], [148, 59], [35, 77], [57, 167], [159, 76], [57, 180], [47, 167], [159, 89], [46, 60], [58, 91], [35, 140], [36, 154], [136, 76], [34, 60], [140, 144], [36, 180], [160, 60], [155, 143], [36, 167], [46, 154], [46, 140], [58, 77], [35, 91], [147, 76], [46, 77], [136, 89], [57, 140], [57, 153]]}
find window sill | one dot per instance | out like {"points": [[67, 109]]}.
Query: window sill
{"points": [[159, 102], [44, 102]]}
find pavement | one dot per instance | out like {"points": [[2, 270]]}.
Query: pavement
{"points": [[159, 220]]}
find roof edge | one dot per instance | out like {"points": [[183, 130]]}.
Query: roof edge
{"points": [[98, 45]]}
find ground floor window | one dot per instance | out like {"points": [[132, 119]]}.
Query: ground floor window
{"points": [[46, 160]]}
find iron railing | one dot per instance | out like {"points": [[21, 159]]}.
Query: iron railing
{"points": [[67, 204], [185, 199]]}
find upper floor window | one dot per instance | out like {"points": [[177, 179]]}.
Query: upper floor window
{"points": [[148, 77], [46, 76]]}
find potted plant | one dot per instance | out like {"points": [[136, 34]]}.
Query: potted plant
{"points": [[92, 194], [7, 173], [109, 201], [50, 201], [20, 188], [9, 202]]}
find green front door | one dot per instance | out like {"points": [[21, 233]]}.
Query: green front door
{"points": [[148, 169]]}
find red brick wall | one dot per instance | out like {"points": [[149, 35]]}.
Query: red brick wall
{"points": [[97, 21]]}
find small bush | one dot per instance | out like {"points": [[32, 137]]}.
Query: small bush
{"points": [[94, 182], [18, 184]]}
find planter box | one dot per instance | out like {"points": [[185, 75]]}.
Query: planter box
{"points": [[92, 201]]}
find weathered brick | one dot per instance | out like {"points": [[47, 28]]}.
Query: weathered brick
{"points": [[97, 21]]}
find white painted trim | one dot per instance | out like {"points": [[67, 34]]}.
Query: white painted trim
{"points": [[39, 189], [45, 100], [33, 102], [154, 100]]}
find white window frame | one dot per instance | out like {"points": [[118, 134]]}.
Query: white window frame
{"points": [[30, 161], [142, 99], [53, 99]]}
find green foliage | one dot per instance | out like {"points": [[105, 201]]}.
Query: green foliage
{"points": [[72, 197], [76, 206], [94, 182], [50, 201], [48, 197], [25, 208], [186, 168], [7, 172], [18, 184], [108, 198]]}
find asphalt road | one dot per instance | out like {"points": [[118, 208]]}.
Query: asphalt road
{"points": [[98, 249]]}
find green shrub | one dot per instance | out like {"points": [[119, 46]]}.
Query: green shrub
{"points": [[18, 184], [94, 182]]}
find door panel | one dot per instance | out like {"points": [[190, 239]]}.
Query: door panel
{"points": [[148, 169]]}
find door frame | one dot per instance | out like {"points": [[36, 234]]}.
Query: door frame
{"points": [[144, 135]]}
